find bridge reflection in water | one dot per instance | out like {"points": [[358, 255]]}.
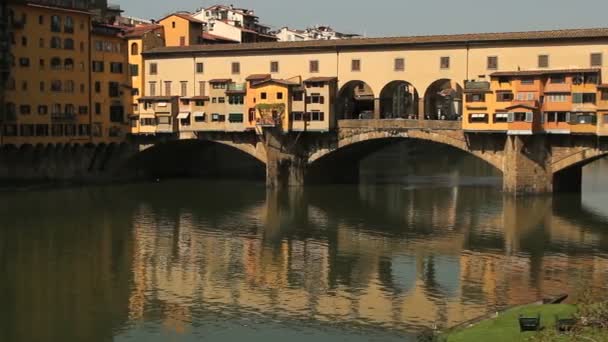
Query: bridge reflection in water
{"points": [[184, 258]]}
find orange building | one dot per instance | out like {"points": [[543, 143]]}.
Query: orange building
{"points": [[182, 29]]}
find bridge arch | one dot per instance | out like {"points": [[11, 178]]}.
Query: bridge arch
{"points": [[382, 137], [399, 99], [443, 100], [355, 97], [578, 159]]}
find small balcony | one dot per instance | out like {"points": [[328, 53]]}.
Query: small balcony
{"points": [[63, 117], [236, 88]]}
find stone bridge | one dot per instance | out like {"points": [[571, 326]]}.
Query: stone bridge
{"points": [[529, 164]]}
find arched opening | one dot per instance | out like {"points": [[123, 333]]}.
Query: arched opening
{"points": [[570, 179], [399, 99], [196, 159], [134, 49], [55, 43], [355, 101], [397, 160], [56, 63], [443, 100], [68, 64]]}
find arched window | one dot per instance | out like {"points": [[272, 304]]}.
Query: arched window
{"points": [[56, 63], [69, 86], [68, 26], [55, 23], [68, 44], [134, 49], [68, 64], [55, 43]]}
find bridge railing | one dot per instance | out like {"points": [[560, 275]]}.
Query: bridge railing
{"points": [[401, 124]]}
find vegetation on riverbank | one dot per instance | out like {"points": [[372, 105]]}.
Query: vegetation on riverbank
{"points": [[591, 325]]}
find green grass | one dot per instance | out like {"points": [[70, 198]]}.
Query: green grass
{"points": [[505, 327]]}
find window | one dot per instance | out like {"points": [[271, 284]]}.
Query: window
{"points": [[40, 19], [82, 88], [526, 96], [279, 96], [478, 118], [84, 130], [42, 87], [604, 95], [26, 130], [313, 66], [199, 118], [399, 64], [315, 98], [134, 49], [43, 110], [25, 109], [274, 67], [557, 116], [492, 62], [236, 99], [98, 45], [235, 117], [591, 79], [221, 100], [477, 97], [355, 65], [83, 110], [173, 24], [152, 89], [97, 66], [201, 88], [596, 60], [68, 26], [68, 64], [298, 96], [167, 88], [97, 87], [504, 97], [41, 43], [70, 130], [200, 68], [55, 23], [556, 98], [583, 98], [184, 88], [527, 80], [236, 68], [605, 116], [219, 85], [134, 69], [24, 62], [215, 117], [69, 109], [153, 68], [97, 108], [444, 62], [317, 116], [116, 67], [24, 41], [558, 79], [68, 44], [543, 61], [500, 117], [117, 114], [56, 86], [113, 89], [69, 86], [55, 43], [297, 116], [263, 96]]}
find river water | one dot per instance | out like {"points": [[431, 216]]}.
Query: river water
{"points": [[426, 240]]}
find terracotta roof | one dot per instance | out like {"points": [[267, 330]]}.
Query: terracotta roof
{"points": [[59, 8], [521, 105], [272, 80], [139, 31], [360, 43], [157, 98], [220, 80], [320, 79], [214, 38], [543, 72], [196, 98], [258, 77], [185, 16]]}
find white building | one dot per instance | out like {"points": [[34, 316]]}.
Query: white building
{"points": [[312, 33], [237, 24]]}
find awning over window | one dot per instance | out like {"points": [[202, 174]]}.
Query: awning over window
{"points": [[502, 115], [199, 114], [478, 116], [183, 115]]}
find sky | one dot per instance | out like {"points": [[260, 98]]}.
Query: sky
{"points": [[379, 18]]}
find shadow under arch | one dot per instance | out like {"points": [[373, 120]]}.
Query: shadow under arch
{"points": [[341, 166], [399, 99], [355, 98], [196, 159], [443, 100], [568, 172]]}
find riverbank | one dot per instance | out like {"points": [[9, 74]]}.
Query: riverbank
{"points": [[504, 327]]}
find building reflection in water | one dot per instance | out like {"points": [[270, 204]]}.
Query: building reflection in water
{"points": [[178, 256]]}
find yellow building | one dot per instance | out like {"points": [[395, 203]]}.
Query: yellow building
{"points": [[47, 95], [140, 39], [110, 82], [271, 101], [182, 29]]}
